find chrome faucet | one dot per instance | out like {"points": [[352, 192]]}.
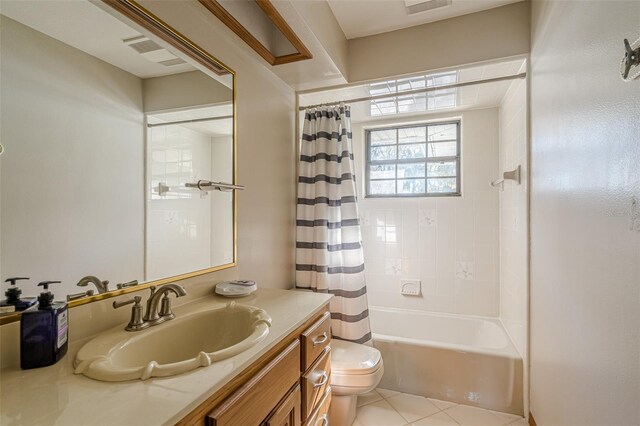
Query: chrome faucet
{"points": [[135, 323], [152, 316], [161, 297], [102, 286]]}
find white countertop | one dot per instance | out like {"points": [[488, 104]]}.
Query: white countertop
{"points": [[54, 395]]}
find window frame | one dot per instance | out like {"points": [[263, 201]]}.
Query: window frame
{"points": [[457, 158]]}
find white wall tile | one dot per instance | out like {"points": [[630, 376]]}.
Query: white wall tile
{"points": [[440, 240], [513, 244]]}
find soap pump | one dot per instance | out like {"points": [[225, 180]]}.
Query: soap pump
{"points": [[13, 302], [44, 331]]}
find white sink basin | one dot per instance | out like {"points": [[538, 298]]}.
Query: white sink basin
{"points": [[174, 347]]}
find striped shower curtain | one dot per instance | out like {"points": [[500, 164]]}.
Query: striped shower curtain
{"points": [[329, 257]]}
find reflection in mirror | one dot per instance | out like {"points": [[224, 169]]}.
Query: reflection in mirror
{"points": [[88, 104], [189, 229]]}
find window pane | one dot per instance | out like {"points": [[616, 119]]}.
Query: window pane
{"points": [[443, 168], [410, 186], [411, 83], [443, 132], [382, 88], [442, 101], [413, 160], [383, 137], [383, 153], [441, 185], [383, 107], [445, 78], [410, 170], [382, 171], [379, 187], [417, 150], [412, 103], [442, 78], [412, 134], [443, 149]]}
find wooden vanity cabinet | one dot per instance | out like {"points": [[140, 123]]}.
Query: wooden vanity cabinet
{"points": [[256, 399], [288, 386], [288, 412]]}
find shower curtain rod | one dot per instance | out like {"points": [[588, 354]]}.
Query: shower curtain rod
{"points": [[418, 91], [195, 120]]}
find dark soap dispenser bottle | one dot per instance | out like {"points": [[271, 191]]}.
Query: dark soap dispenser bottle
{"points": [[13, 302], [44, 331]]}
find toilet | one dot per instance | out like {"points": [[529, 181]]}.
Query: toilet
{"points": [[355, 370]]}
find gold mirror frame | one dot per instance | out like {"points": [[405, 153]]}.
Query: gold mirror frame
{"points": [[147, 20]]}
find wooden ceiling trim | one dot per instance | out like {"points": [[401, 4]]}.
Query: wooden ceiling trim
{"points": [[267, 7]]}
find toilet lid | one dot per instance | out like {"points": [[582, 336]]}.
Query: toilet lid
{"points": [[353, 358]]}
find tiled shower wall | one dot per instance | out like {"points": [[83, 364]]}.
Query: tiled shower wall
{"points": [[513, 216], [451, 244]]}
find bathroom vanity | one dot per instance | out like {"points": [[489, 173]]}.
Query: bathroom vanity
{"points": [[282, 380], [287, 386]]}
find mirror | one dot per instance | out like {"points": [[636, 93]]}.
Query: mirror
{"points": [[111, 134]]}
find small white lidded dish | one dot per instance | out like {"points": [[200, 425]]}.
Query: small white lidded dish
{"points": [[236, 288]]}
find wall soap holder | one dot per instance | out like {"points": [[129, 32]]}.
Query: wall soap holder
{"points": [[410, 287], [513, 175]]}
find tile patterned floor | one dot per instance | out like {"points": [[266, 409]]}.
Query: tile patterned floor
{"points": [[382, 407]]}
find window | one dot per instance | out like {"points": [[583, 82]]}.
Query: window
{"points": [[418, 160], [400, 104]]}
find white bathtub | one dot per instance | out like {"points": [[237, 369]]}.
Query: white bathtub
{"points": [[457, 358]]}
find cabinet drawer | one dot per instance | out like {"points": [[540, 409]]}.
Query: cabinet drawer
{"points": [[288, 412], [320, 417], [251, 404], [315, 383], [315, 339]]}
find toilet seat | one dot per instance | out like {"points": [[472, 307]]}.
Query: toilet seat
{"points": [[355, 368]]}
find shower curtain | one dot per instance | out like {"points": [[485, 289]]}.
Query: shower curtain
{"points": [[329, 257]]}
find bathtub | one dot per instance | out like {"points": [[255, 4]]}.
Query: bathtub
{"points": [[462, 359]]}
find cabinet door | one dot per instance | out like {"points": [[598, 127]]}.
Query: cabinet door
{"points": [[288, 412], [253, 402], [315, 383]]}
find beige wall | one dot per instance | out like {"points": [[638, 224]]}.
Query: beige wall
{"points": [[325, 27], [72, 126], [482, 36], [585, 253], [182, 90]]}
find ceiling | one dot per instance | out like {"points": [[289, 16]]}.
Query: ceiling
{"points": [[360, 18], [470, 97], [82, 25]]}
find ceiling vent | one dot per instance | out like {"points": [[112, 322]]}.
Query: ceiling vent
{"points": [[153, 51], [418, 6]]}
